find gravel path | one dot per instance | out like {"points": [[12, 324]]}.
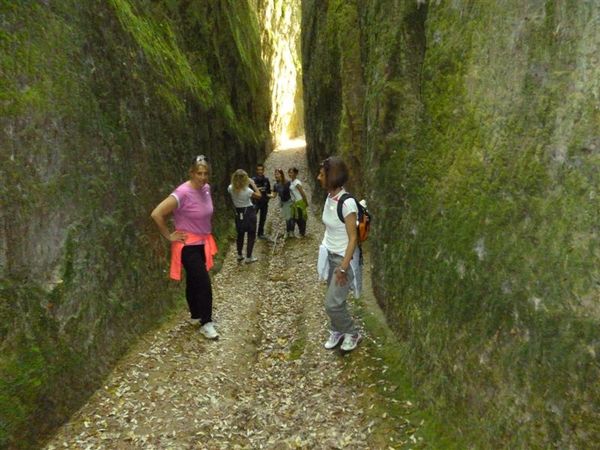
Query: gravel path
{"points": [[266, 383]]}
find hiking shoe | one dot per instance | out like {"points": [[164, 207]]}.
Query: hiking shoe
{"points": [[350, 342], [262, 236], [240, 257], [251, 259], [208, 331], [335, 337]]}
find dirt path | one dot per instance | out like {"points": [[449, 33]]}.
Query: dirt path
{"points": [[266, 383]]}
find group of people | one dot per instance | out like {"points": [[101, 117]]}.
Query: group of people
{"points": [[250, 197], [193, 245]]}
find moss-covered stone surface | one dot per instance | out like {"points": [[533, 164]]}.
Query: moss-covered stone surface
{"points": [[473, 128], [103, 104]]}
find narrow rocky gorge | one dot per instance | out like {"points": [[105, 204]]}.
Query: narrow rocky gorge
{"points": [[472, 129], [266, 383]]}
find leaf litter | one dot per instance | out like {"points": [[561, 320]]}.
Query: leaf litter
{"points": [[175, 390]]}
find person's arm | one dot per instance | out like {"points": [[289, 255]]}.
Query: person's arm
{"points": [[160, 215], [256, 193], [340, 273], [303, 194]]}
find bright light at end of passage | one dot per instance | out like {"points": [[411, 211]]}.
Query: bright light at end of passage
{"points": [[288, 144]]}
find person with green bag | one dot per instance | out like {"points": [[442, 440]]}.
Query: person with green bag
{"points": [[300, 202]]}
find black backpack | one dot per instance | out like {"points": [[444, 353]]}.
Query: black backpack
{"points": [[363, 220]]}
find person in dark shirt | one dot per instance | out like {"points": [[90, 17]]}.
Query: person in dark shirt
{"points": [[262, 204], [281, 189]]}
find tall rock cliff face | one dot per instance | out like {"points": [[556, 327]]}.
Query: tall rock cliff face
{"points": [[280, 21], [474, 127], [103, 105]]}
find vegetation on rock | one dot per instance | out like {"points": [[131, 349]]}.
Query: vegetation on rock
{"points": [[103, 104], [474, 130]]}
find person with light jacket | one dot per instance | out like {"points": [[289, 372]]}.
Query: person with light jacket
{"points": [[300, 202], [339, 255], [242, 190], [192, 242]]}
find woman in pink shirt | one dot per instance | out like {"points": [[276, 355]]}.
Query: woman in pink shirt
{"points": [[192, 243]]}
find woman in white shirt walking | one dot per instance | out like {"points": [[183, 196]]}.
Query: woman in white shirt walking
{"points": [[337, 252], [300, 202], [242, 189]]}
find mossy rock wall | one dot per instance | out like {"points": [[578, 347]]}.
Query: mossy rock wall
{"points": [[103, 104], [474, 130]]}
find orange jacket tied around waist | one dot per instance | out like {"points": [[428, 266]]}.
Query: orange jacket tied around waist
{"points": [[210, 249]]}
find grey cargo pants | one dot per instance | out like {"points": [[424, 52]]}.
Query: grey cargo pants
{"points": [[336, 305]]}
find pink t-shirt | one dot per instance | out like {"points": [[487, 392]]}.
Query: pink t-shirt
{"points": [[194, 209]]}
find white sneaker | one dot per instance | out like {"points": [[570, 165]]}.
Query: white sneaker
{"points": [[240, 257], [350, 341], [251, 259], [335, 337], [208, 331]]}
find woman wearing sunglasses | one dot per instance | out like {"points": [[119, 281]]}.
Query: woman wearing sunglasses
{"points": [[192, 242]]}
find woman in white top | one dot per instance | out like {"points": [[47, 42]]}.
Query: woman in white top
{"points": [[300, 202], [339, 245], [242, 189]]}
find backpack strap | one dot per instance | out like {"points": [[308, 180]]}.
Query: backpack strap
{"points": [[340, 205]]}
